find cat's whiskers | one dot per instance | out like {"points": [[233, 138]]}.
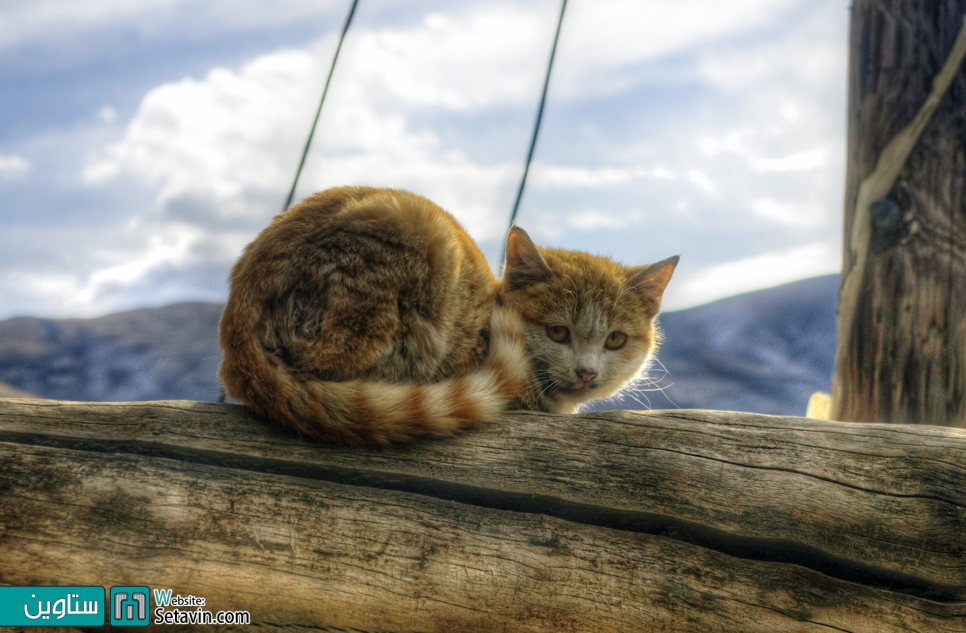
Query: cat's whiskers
{"points": [[656, 387], [531, 398], [616, 398], [530, 388], [541, 380], [650, 385], [546, 385], [646, 405], [657, 360]]}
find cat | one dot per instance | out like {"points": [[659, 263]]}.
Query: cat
{"points": [[369, 316]]}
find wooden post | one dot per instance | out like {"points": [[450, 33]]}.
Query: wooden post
{"points": [[901, 353], [620, 521]]}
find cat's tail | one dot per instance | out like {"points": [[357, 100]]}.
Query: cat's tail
{"points": [[365, 412]]}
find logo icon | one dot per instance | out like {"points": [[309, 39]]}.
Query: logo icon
{"points": [[52, 606], [129, 606]]}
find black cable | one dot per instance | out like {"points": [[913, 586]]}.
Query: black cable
{"points": [[328, 79], [536, 127]]}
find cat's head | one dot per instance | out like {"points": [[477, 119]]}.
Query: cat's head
{"points": [[589, 321]]}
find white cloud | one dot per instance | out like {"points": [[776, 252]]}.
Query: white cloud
{"points": [[583, 177], [701, 180], [216, 137], [230, 137], [30, 20], [806, 58], [760, 271], [791, 112], [13, 166], [469, 60], [589, 220], [602, 40], [745, 145], [41, 21], [799, 161], [749, 143], [800, 214], [172, 248], [107, 114], [135, 266]]}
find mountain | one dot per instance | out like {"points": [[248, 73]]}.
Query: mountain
{"points": [[152, 354], [6, 391], [764, 351]]}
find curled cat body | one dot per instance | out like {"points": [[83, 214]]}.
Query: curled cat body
{"points": [[368, 316]]}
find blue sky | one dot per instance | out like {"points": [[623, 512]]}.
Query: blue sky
{"points": [[143, 144]]}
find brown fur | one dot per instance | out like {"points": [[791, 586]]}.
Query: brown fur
{"points": [[368, 315]]}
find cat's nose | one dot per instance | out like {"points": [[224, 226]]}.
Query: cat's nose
{"points": [[586, 375]]}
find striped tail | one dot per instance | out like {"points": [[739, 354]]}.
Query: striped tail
{"points": [[359, 412]]}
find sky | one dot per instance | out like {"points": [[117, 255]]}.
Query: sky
{"points": [[143, 144]]}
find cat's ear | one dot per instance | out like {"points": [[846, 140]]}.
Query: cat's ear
{"points": [[649, 282], [524, 264]]}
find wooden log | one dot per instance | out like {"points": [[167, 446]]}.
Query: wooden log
{"points": [[620, 521], [901, 353]]}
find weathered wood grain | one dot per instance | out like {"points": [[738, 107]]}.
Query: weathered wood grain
{"points": [[668, 520], [902, 320]]}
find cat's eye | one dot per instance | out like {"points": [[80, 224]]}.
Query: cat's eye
{"points": [[615, 340], [558, 333]]}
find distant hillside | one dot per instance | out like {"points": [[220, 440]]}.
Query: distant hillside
{"points": [[153, 354], [764, 351], [6, 391]]}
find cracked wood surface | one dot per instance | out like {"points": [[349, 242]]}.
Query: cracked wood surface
{"points": [[619, 521], [901, 353]]}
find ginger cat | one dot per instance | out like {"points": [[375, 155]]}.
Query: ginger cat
{"points": [[367, 316]]}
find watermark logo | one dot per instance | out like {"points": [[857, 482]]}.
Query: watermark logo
{"points": [[52, 606], [123, 606], [162, 597], [171, 608], [130, 606]]}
